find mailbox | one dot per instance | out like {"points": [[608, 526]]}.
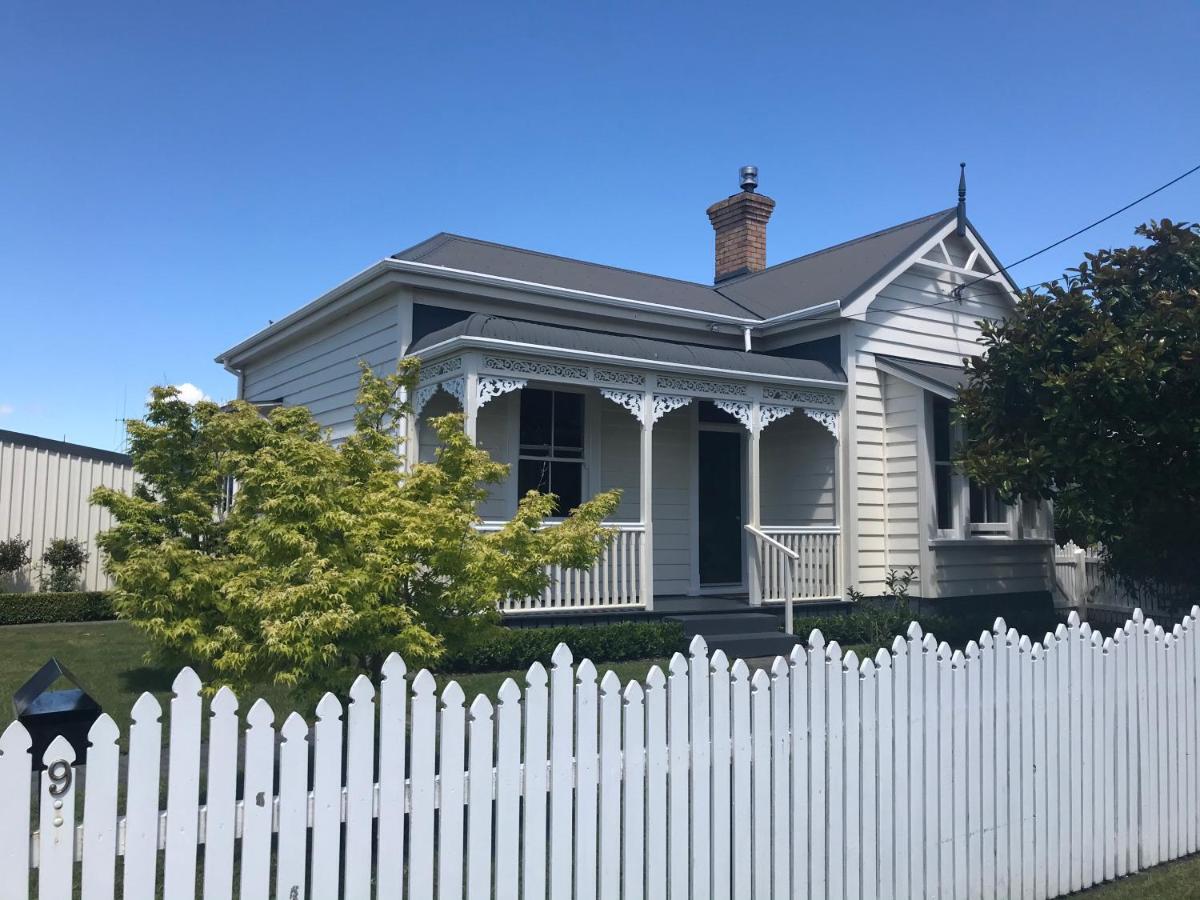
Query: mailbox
{"points": [[47, 713]]}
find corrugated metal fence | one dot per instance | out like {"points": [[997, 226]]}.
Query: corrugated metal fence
{"points": [[44, 490], [1013, 769]]}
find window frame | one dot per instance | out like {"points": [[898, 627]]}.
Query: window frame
{"points": [[551, 456]]}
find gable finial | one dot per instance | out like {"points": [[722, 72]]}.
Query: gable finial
{"points": [[961, 230]]}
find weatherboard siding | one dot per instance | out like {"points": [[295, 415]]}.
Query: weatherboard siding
{"points": [[915, 317], [320, 369], [798, 472]]}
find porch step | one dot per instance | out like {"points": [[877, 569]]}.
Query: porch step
{"points": [[726, 623], [750, 646]]}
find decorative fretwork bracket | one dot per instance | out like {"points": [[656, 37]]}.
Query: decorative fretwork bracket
{"points": [[631, 400], [491, 386], [665, 403]]}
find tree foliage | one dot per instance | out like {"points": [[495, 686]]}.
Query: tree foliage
{"points": [[65, 558], [329, 557], [1089, 395]]}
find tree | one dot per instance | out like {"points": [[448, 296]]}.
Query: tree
{"points": [[328, 557], [1089, 395], [14, 556], [65, 557]]}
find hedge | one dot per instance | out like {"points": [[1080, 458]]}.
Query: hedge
{"points": [[518, 648], [76, 606]]}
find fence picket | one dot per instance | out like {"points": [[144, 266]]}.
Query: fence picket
{"points": [[678, 821], [1038, 773], [56, 847], [220, 796], [1025, 660], [781, 800], [656, 784], [818, 681], [868, 838], [1050, 659], [325, 866], [14, 812], [944, 816], [183, 788], [900, 851], [451, 792], [835, 717], [988, 775], [742, 873], [97, 877], [759, 822], [930, 772], [508, 791], [533, 844], [562, 776], [421, 790], [360, 781], [888, 766], [393, 741], [957, 768], [141, 800], [701, 749], [974, 769], [610, 787], [916, 762], [258, 787], [851, 774], [480, 741], [587, 775], [720, 761], [293, 809], [633, 805]]}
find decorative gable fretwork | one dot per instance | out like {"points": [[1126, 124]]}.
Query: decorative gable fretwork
{"points": [[537, 368], [441, 369], [802, 397], [701, 386]]}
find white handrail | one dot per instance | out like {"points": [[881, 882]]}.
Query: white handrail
{"points": [[790, 572]]}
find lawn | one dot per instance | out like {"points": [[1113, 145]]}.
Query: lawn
{"points": [[109, 659], [1179, 880]]}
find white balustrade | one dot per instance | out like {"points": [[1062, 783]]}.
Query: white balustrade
{"points": [[813, 572]]}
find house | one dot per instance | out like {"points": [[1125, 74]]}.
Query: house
{"points": [[44, 489], [785, 429]]}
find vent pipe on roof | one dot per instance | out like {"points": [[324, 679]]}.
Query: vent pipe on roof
{"points": [[740, 223], [961, 230]]}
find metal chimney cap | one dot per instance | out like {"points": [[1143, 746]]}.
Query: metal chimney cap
{"points": [[748, 176]]}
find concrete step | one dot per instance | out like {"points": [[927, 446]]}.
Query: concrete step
{"points": [[749, 646], [725, 623]]}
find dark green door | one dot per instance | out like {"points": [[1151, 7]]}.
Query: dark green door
{"points": [[720, 507]]}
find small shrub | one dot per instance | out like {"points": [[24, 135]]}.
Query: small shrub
{"points": [[518, 648], [80, 606], [14, 556], [65, 558]]}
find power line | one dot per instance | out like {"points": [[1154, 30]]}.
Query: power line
{"points": [[1196, 168]]}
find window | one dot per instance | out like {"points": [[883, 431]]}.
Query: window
{"points": [[551, 451], [986, 509], [943, 469]]}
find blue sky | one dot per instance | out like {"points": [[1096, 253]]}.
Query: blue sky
{"points": [[172, 177]]}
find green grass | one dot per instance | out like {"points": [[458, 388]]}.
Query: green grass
{"points": [[1178, 880]]}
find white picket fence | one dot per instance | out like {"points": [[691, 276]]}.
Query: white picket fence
{"points": [[1082, 584], [1015, 769]]}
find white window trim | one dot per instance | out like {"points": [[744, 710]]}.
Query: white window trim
{"points": [[587, 487]]}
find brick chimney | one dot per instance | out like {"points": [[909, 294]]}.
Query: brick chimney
{"points": [[740, 223]]}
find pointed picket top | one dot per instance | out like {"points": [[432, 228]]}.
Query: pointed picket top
{"points": [[362, 691], [957, 660], [1097, 639], [972, 650], [929, 644], [1073, 619], [15, 739], [1118, 637], [1085, 631], [850, 661], [1024, 645], [146, 709], [187, 683], [561, 656], [1013, 637], [761, 681], [899, 646], [656, 679], [1148, 627], [1036, 652], [1108, 645], [60, 748], [610, 684], [779, 668], [294, 729], [261, 715], [585, 672], [633, 693], [999, 627], [698, 648], [798, 657], [1138, 616], [719, 662], [943, 651], [866, 667], [481, 708], [1158, 633], [329, 707], [1177, 631], [740, 671], [509, 692], [1195, 612], [678, 665], [816, 640], [1047, 641], [986, 640], [883, 658], [453, 696], [1186, 623], [833, 653], [393, 667], [914, 631], [224, 702], [536, 677], [103, 731], [1060, 632]]}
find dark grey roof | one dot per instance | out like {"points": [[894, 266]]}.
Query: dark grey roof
{"points": [[482, 325], [456, 252], [837, 273], [63, 447], [950, 377]]}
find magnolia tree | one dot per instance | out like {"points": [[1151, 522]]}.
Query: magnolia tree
{"points": [[1089, 395], [329, 557]]}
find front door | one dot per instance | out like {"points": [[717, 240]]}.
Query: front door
{"points": [[720, 507]]}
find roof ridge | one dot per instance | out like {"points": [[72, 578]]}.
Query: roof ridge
{"points": [[841, 246], [449, 235]]}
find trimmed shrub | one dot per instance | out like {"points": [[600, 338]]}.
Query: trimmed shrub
{"points": [[75, 606], [65, 557], [519, 648]]}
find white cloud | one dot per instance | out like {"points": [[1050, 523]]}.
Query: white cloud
{"points": [[188, 393], [7, 409]]}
